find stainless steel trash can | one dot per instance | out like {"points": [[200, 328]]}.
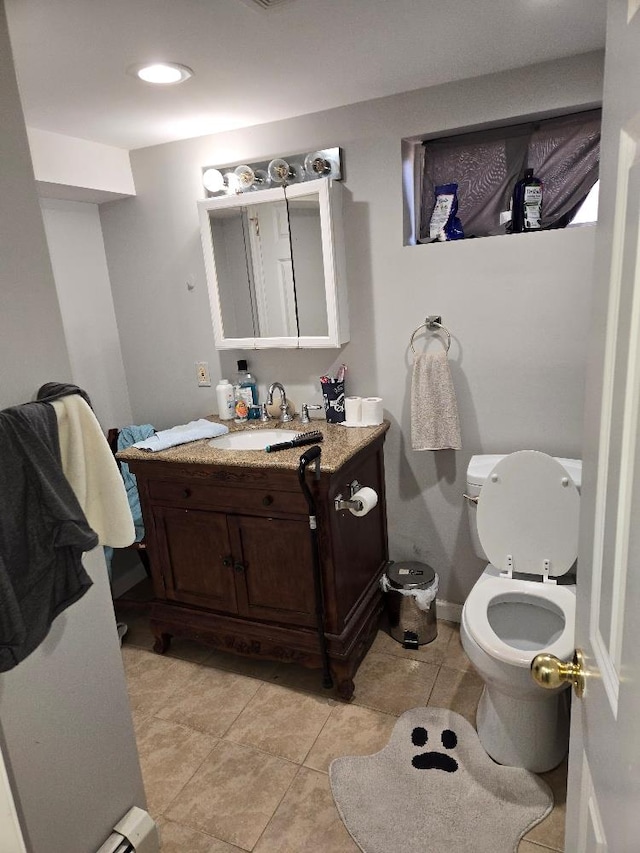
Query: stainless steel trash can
{"points": [[408, 586]]}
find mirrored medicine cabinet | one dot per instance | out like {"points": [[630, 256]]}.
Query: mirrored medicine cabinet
{"points": [[275, 267]]}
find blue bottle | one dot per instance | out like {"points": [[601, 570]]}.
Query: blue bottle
{"points": [[246, 380]]}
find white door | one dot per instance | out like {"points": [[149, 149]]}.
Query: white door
{"points": [[273, 270], [603, 807]]}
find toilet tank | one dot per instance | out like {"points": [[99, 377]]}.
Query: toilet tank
{"points": [[477, 472]]}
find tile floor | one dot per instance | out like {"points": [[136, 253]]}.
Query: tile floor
{"points": [[235, 752]]}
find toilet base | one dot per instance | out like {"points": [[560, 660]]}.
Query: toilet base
{"points": [[521, 733]]}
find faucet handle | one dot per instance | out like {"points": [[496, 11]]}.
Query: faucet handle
{"points": [[285, 417], [305, 419], [264, 414]]}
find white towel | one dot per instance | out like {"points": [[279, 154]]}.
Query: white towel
{"points": [[192, 431], [434, 411], [92, 472]]}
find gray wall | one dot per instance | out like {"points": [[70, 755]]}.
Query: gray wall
{"points": [[32, 345], [74, 237], [66, 735], [517, 306]]}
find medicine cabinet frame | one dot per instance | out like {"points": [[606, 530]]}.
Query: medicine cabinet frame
{"points": [[329, 194]]}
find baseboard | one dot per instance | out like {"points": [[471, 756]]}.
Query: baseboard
{"points": [[448, 611], [136, 832]]}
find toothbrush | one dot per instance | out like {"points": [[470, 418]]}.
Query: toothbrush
{"points": [[310, 437]]}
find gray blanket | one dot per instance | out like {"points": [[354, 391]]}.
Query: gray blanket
{"points": [[43, 532]]}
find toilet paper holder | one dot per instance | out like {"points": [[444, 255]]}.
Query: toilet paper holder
{"points": [[351, 503]]}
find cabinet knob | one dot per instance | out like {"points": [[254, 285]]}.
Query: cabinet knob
{"points": [[227, 561], [186, 493], [239, 567], [267, 500]]}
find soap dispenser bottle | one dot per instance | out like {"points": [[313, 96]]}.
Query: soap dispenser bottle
{"points": [[527, 204], [246, 380]]}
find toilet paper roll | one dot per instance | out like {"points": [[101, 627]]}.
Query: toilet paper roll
{"points": [[368, 498], [372, 411], [353, 409]]}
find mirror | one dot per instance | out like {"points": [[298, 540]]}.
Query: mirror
{"points": [[272, 267], [229, 229], [308, 271]]}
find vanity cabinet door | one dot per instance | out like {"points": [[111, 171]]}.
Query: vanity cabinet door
{"points": [[198, 567], [276, 580]]}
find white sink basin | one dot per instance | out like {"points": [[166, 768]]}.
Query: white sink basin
{"points": [[250, 439]]}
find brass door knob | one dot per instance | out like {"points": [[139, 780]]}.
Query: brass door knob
{"points": [[551, 672]]}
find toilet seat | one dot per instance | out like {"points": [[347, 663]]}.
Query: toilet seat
{"points": [[528, 515], [491, 589]]}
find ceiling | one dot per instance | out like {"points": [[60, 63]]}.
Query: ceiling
{"points": [[254, 65]]}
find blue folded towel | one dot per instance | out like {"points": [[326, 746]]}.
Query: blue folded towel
{"points": [[127, 436], [192, 431]]}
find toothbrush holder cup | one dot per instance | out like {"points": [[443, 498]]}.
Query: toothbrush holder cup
{"points": [[333, 395]]}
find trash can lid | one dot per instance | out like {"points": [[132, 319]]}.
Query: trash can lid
{"points": [[410, 575]]}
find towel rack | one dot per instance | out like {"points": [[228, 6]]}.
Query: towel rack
{"points": [[433, 321]]}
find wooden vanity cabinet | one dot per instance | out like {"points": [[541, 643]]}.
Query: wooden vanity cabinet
{"points": [[232, 560], [236, 564]]}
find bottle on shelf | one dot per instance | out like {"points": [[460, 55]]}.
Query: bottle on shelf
{"points": [[226, 400], [527, 204]]}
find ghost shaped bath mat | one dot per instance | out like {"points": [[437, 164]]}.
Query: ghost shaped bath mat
{"points": [[433, 789]]}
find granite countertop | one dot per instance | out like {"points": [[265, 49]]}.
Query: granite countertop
{"points": [[338, 446]]}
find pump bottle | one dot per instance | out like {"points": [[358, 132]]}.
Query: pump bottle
{"points": [[527, 204]]}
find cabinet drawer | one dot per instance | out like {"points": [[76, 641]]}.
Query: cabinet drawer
{"points": [[195, 494]]}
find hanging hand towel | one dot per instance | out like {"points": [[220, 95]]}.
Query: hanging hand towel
{"points": [[92, 472], [434, 411], [192, 431]]}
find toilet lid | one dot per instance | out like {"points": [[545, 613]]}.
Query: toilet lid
{"points": [[529, 511]]}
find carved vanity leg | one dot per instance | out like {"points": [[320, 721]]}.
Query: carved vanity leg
{"points": [[343, 677], [345, 689], [162, 643]]}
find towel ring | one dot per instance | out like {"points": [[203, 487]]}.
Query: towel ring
{"points": [[432, 323]]}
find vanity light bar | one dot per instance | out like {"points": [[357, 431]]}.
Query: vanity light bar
{"points": [[278, 172]]}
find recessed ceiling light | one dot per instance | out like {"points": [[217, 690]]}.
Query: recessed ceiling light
{"points": [[161, 73]]}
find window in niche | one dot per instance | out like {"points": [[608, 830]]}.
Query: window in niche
{"points": [[564, 152]]}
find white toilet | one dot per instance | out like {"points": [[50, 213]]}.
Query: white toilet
{"points": [[525, 523]]}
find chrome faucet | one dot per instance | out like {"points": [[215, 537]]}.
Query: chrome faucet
{"points": [[285, 417], [305, 419]]}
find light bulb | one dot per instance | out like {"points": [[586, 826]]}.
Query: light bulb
{"points": [[232, 182], [297, 172], [278, 170], [262, 178], [213, 180], [246, 176], [315, 164]]}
